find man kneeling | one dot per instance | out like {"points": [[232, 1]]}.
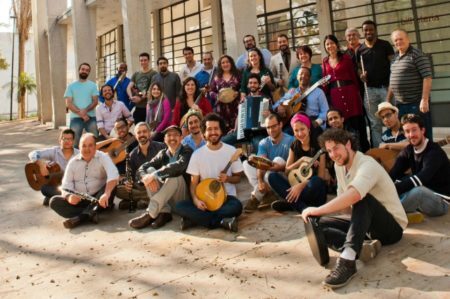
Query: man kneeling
{"points": [[365, 188], [164, 180]]}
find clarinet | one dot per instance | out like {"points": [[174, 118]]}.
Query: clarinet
{"points": [[85, 196], [129, 179]]}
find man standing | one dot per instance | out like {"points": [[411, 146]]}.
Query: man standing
{"points": [[428, 186], [146, 150], [138, 87], [120, 83], [108, 112], [393, 138], [365, 188], [169, 81], [209, 161], [81, 99], [374, 71], [410, 81], [91, 172], [283, 62], [352, 37], [58, 154], [192, 67], [275, 147], [164, 179], [207, 72], [250, 43], [195, 138]]}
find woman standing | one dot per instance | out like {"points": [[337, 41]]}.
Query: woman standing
{"points": [[190, 92], [312, 191], [227, 80], [256, 66], [158, 111], [304, 55], [343, 90]]}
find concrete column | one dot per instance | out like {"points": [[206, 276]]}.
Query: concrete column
{"points": [[119, 43], [41, 52], [57, 44], [156, 33], [136, 31], [84, 35], [323, 15], [239, 19], [216, 20]]}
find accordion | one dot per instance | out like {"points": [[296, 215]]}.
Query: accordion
{"points": [[250, 115]]}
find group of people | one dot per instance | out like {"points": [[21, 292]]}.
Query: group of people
{"points": [[186, 131]]}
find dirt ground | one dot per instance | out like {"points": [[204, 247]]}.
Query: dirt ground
{"points": [[268, 258]]}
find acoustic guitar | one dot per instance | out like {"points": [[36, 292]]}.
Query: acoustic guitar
{"points": [[115, 148], [211, 191], [202, 93], [279, 92], [304, 171], [36, 180]]}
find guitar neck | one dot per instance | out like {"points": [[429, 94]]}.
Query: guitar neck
{"points": [[314, 159]]}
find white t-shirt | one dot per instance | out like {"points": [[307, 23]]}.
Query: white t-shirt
{"points": [[367, 176], [208, 164]]}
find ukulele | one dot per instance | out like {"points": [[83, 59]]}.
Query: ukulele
{"points": [[36, 180], [211, 191], [304, 171], [115, 148]]}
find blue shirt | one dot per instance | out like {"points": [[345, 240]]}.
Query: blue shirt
{"points": [[270, 150], [387, 137], [121, 90], [81, 94], [191, 143]]}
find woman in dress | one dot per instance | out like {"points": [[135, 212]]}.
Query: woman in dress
{"points": [[158, 111], [343, 89], [304, 55], [256, 66]]}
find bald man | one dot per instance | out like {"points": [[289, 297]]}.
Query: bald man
{"points": [[90, 172]]}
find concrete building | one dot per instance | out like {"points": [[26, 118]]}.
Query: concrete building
{"points": [[106, 32]]}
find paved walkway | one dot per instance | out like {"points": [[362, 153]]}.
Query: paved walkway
{"points": [[268, 258]]}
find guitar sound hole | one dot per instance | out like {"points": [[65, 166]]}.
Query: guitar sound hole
{"points": [[214, 186], [304, 172]]}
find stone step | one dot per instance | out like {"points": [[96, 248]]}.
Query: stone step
{"points": [[440, 133]]}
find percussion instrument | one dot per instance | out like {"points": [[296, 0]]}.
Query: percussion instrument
{"points": [[316, 240], [260, 162], [226, 95]]}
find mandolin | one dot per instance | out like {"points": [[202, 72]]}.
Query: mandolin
{"points": [[36, 180], [115, 148], [304, 171], [211, 191]]}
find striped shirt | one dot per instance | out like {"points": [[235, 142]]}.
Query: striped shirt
{"points": [[407, 74]]}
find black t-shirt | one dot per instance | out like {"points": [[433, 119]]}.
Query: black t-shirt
{"points": [[376, 62], [296, 147]]}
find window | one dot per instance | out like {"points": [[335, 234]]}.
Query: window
{"points": [[108, 58]]}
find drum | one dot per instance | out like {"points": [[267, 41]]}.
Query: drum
{"points": [[260, 162], [226, 95]]}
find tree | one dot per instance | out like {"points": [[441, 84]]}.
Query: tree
{"points": [[3, 63], [22, 11]]}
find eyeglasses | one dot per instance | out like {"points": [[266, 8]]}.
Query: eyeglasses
{"points": [[387, 115]]}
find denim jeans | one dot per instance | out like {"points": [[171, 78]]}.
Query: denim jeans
{"points": [[415, 109], [376, 96], [231, 208], [425, 200], [78, 124], [369, 220], [314, 194]]}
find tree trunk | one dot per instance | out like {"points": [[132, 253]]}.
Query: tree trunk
{"points": [[21, 96]]}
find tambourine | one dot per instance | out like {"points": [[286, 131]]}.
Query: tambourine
{"points": [[260, 162], [226, 95]]}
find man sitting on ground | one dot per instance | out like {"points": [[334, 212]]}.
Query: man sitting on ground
{"points": [[195, 138], [428, 188], [393, 138]]}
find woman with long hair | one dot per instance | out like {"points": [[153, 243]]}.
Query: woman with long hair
{"points": [[304, 55], [303, 193], [256, 65], [190, 93], [158, 111], [227, 80], [343, 89]]}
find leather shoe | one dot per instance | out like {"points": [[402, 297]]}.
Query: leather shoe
{"points": [[161, 220], [282, 205], [72, 222], [141, 221], [186, 223]]}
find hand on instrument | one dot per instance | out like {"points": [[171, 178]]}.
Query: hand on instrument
{"points": [[263, 187], [294, 192], [424, 105], [73, 199], [222, 177], [280, 83], [200, 204], [311, 211], [128, 186], [135, 99], [243, 95], [196, 107], [363, 76], [103, 201], [265, 79], [42, 168]]}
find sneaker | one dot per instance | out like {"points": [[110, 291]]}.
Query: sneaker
{"points": [[281, 205], [369, 250], [230, 224], [415, 217], [342, 273], [124, 204], [267, 200], [186, 223], [251, 205]]}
